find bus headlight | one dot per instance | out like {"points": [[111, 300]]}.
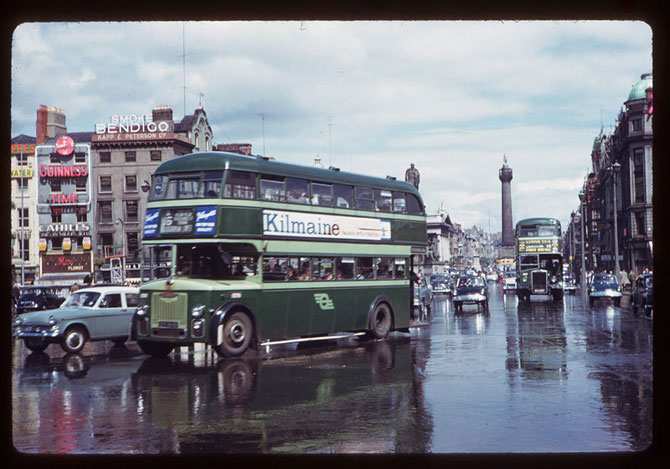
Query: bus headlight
{"points": [[142, 310], [198, 311]]}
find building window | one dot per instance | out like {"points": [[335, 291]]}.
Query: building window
{"points": [[105, 183], [132, 242], [81, 215], [23, 183], [25, 218], [156, 155], [131, 210], [207, 145], [80, 157], [639, 221], [637, 125], [130, 157], [105, 156], [638, 174], [80, 184], [22, 159], [56, 215], [195, 144], [25, 246], [106, 239], [105, 211], [131, 183]]}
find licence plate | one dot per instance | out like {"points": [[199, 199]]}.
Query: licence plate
{"points": [[168, 324]]}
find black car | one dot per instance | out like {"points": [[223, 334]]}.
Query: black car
{"points": [[440, 284], [37, 299], [642, 298], [471, 290]]}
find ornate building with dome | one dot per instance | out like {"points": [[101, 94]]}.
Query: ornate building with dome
{"points": [[622, 173]]}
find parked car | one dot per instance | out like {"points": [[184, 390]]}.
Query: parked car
{"points": [[423, 298], [509, 281], [471, 290], [97, 313], [36, 298], [439, 284], [604, 286], [569, 284], [642, 298]]}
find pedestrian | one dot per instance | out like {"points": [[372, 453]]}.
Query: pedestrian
{"points": [[74, 288], [624, 280]]}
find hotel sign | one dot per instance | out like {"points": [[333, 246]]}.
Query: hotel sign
{"points": [[323, 226]]}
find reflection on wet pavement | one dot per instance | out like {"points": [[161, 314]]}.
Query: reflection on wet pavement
{"points": [[539, 377]]}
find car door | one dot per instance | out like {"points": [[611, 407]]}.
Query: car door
{"points": [[110, 317]]}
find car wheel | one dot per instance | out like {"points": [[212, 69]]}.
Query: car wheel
{"points": [[591, 300], [617, 302], [633, 306], [74, 340], [457, 306], [36, 345], [155, 349], [237, 335], [381, 321]]}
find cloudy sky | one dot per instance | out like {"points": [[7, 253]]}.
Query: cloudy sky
{"points": [[369, 97]]}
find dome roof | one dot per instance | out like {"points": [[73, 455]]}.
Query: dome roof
{"points": [[639, 90]]}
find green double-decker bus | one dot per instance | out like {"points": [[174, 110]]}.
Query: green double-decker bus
{"points": [[539, 258], [254, 252]]}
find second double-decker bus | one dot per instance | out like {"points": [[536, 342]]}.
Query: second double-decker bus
{"points": [[260, 252], [539, 258]]}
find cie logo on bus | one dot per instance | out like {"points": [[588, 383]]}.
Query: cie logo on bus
{"points": [[324, 301]]}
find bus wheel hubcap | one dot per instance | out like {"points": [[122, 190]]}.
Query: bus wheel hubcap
{"points": [[237, 333]]}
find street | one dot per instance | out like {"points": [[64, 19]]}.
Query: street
{"points": [[539, 377]]}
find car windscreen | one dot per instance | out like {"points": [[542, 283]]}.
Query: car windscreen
{"points": [[604, 279], [83, 298]]}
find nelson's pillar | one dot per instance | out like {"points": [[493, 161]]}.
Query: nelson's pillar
{"points": [[507, 245]]}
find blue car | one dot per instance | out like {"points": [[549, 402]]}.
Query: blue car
{"points": [[471, 290], [97, 313], [604, 287]]}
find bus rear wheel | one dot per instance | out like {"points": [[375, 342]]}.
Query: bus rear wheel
{"points": [[237, 335], [381, 321]]}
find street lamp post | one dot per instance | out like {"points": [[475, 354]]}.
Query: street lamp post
{"points": [[582, 281], [572, 245], [615, 168]]}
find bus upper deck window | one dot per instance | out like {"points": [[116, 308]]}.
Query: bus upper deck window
{"points": [[364, 198], [211, 184], [296, 190], [240, 185], [382, 200], [413, 205], [343, 196], [322, 194], [399, 202], [158, 188], [273, 188]]}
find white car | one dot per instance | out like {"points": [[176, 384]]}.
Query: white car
{"points": [[509, 281]]}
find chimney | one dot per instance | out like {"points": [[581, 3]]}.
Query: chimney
{"points": [[162, 112], [50, 123]]}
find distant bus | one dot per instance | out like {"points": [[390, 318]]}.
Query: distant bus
{"points": [[255, 252], [539, 259]]}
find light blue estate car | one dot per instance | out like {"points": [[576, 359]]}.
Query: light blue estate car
{"points": [[97, 313]]}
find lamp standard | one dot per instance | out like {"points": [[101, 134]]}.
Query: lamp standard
{"points": [[582, 280], [572, 245], [117, 263], [615, 168]]}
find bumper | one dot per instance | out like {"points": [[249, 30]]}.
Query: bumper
{"points": [[605, 294], [50, 334], [471, 298]]}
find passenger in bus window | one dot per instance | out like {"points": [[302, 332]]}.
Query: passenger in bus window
{"points": [[304, 272]]}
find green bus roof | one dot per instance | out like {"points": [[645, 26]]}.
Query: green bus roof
{"points": [[212, 161], [538, 220]]}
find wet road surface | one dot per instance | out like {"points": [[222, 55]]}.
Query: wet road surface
{"points": [[539, 377]]}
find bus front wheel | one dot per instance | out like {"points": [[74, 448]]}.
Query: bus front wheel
{"points": [[381, 321], [237, 332]]}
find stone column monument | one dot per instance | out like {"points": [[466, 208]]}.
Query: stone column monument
{"points": [[507, 246]]}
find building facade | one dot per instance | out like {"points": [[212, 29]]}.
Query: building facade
{"points": [[622, 173], [126, 152], [24, 240]]}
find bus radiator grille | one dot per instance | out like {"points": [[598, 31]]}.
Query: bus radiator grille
{"points": [[172, 310], [539, 281]]}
